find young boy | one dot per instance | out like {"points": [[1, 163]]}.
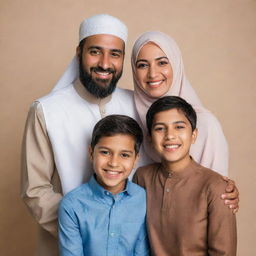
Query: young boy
{"points": [[185, 214], [106, 216]]}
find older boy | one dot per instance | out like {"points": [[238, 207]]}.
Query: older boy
{"points": [[106, 216], [185, 214]]}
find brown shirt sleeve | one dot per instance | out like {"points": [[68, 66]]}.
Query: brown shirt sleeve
{"points": [[222, 238], [40, 186]]}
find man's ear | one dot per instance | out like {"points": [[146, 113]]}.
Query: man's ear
{"points": [[194, 135], [78, 52], [90, 151]]}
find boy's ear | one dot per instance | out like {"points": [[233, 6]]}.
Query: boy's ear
{"points": [[90, 151], [136, 160], [194, 135]]}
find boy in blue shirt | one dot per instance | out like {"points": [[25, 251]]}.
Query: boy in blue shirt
{"points": [[106, 216]]}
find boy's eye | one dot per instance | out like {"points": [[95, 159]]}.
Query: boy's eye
{"points": [[141, 65], [159, 128], [180, 127], [125, 155], [104, 152]]}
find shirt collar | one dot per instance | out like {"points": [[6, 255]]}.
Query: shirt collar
{"points": [[99, 191], [187, 171], [83, 93]]}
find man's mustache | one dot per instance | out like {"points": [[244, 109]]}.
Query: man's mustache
{"points": [[99, 69]]}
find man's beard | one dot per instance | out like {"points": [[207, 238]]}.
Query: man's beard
{"points": [[96, 89]]}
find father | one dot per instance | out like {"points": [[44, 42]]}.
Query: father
{"points": [[59, 125]]}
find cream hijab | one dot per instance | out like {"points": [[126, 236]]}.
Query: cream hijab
{"points": [[210, 148]]}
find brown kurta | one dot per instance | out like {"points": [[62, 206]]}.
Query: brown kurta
{"points": [[185, 213]]}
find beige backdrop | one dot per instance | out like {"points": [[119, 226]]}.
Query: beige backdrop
{"points": [[218, 42]]}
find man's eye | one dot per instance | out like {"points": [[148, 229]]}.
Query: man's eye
{"points": [[94, 52], [141, 65], [116, 54]]}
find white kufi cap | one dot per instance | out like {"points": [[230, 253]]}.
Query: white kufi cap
{"points": [[103, 24]]}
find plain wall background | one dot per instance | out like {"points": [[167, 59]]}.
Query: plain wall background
{"points": [[218, 43]]}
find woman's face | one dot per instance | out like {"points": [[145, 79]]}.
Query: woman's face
{"points": [[153, 71]]}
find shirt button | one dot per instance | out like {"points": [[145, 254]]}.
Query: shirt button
{"points": [[167, 190], [112, 234]]}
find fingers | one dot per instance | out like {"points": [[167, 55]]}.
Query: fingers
{"points": [[231, 196], [232, 204]]}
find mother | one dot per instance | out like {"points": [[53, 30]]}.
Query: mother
{"points": [[158, 71]]}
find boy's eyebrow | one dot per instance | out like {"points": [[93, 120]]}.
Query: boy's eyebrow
{"points": [[176, 122], [123, 150]]}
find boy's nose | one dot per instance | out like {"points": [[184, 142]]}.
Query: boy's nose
{"points": [[169, 135], [113, 162]]}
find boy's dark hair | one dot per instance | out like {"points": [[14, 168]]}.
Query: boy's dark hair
{"points": [[167, 103], [117, 124]]}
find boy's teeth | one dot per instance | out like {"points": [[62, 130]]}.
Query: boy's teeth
{"points": [[171, 146], [111, 172]]}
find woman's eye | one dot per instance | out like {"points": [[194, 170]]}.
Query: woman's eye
{"points": [[141, 65], [163, 63]]}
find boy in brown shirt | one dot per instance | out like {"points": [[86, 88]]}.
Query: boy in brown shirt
{"points": [[185, 214]]}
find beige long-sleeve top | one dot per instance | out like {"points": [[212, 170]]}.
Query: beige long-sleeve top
{"points": [[40, 183], [185, 214]]}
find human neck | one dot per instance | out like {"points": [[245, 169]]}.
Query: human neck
{"points": [[176, 166]]}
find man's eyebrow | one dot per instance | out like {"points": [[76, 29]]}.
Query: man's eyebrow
{"points": [[117, 50], [101, 48]]}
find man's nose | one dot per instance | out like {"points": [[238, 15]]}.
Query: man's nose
{"points": [[104, 61]]}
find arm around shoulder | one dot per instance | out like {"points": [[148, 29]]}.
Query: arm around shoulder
{"points": [[222, 234], [38, 172]]}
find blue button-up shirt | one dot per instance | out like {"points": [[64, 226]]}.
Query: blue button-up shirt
{"points": [[93, 222]]}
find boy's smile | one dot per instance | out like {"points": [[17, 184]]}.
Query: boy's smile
{"points": [[172, 137], [113, 159]]}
